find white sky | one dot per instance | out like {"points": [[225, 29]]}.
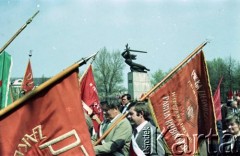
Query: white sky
{"points": [[66, 30]]}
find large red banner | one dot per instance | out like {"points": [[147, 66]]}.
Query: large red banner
{"points": [[183, 107], [89, 96], [52, 123]]}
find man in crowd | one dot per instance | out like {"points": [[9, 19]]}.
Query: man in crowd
{"points": [[117, 142], [146, 138], [230, 109], [125, 103]]}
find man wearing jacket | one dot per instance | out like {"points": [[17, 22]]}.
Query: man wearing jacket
{"points": [[146, 138], [117, 142]]}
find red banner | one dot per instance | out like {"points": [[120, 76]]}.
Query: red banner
{"points": [[184, 107], [217, 102], [89, 96], [53, 123], [28, 83]]}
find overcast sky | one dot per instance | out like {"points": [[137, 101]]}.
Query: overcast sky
{"points": [[66, 30]]}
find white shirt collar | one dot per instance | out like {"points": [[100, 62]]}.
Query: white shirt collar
{"points": [[125, 107], [140, 127]]}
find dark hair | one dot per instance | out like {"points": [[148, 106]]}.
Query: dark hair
{"points": [[127, 95], [233, 118], [111, 103], [142, 108]]}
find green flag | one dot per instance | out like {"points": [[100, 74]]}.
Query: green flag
{"points": [[5, 68]]}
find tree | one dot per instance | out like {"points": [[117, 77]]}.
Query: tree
{"points": [[157, 77], [108, 73], [230, 71]]}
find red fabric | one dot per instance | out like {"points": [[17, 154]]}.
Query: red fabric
{"points": [[217, 102], [28, 83], [230, 95], [131, 151], [184, 107], [51, 114], [89, 95]]}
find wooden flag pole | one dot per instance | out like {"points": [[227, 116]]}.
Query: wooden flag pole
{"points": [[110, 128], [46, 84], [174, 70], [18, 32], [148, 93]]}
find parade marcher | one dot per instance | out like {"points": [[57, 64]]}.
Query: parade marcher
{"points": [[125, 103], [117, 142], [230, 109], [146, 138], [89, 123], [231, 139]]}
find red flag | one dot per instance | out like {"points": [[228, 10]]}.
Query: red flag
{"points": [[184, 107], [89, 96], [28, 83], [217, 101], [230, 95], [52, 123]]}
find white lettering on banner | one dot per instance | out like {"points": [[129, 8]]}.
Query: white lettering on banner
{"points": [[202, 95], [198, 84], [28, 139], [165, 105], [66, 148]]}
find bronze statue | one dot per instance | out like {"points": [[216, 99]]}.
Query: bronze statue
{"points": [[129, 57]]}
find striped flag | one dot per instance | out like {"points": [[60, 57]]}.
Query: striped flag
{"points": [[5, 70]]}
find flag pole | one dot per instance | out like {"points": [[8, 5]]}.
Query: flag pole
{"points": [[110, 128], [147, 94], [18, 32], [46, 84], [93, 58], [174, 70]]}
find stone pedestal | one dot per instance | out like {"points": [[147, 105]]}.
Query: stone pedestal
{"points": [[138, 84]]}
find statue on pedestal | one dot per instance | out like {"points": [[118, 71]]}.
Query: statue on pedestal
{"points": [[128, 60]]}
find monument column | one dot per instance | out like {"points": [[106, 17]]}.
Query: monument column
{"points": [[138, 84]]}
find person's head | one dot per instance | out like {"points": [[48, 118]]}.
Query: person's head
{"points": [[237, 98], [125, 99], [233, 123], [110, 108], [139, 113], [234, 104]]}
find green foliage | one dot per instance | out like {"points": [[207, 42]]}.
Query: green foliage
{"points": [[157, 77], [229, 70], [108, 73]]}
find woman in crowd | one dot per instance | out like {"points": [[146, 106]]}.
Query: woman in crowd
{"points": [[231, 139]]}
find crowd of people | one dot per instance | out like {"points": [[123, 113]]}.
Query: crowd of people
{"points": [[136, 135], [229, 128]]}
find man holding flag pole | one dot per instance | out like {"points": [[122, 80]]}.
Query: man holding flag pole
{"points": [[197, 83]]}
